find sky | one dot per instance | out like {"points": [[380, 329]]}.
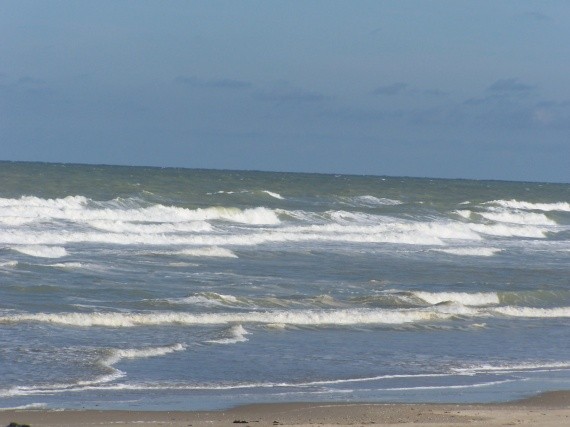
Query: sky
{"points": [[448, 89]]}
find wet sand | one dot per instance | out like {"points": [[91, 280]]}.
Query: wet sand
{"points": [[547, 410]]}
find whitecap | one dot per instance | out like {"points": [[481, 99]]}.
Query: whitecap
{"points": [[518, 217], [41, 251], [235, 335], [68, 265], [515, 204], [212, 251], [471, 299], [9, 263], [272, 194], [531, 312], [292, 317]]}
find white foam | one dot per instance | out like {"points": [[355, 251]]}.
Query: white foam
{"points": [[507, 230], [451, 387], [272, 194], [80, 209], [471, 299], [41, 251], [533, 312], [9, 264], [547, 207], [517, 217], [15, 220], [509, 368], [68, 265], [50, 389], [212, 251], [463, 213], [31, 201], [26, 407], [368, 200], [208, 299], [152, 228], [236, 334], [293, 317], [108, 362], [139, 353], [476, 251]]}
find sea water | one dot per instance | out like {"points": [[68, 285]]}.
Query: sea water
{"points": [[148, 288]]}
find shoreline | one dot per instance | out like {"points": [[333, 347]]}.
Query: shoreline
{"points": [[546, 409]]}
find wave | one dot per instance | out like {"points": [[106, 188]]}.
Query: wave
{"points": [[73, 202], [114, 356], [272, 194], [525, 218], [130, 227], [137, 353], [68, 265], [414, 234], [56, 388], [547, 207], [294, 317], [8, 264], [328, 317], [371, 201], [212, 251], [506, 230], [208, 299], [464, 213], [41, 251], [15, 221], [481, 251], [235, 334], [533, 312], [512, 368], [29, 406], [470, 299], [80, 209], [452, 387]]}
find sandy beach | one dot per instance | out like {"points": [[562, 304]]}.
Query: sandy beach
{"points": [[548, 409]]}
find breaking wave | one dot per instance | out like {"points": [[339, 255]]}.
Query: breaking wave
{"points": [[372, 201], [525, 218], [235, 335], [512, 368], [82, 210], [472, 299], [41, 251], [300, 317], [213, 251], [113, 357], [274, 195], [533, 312], [547, 207]]}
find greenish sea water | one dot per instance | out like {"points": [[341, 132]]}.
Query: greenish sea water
{"points": [[132, 287]]}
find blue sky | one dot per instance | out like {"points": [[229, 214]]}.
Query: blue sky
{"points": [[453, 89]]}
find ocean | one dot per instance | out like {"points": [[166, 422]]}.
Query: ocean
{"points": [[179, 289]]}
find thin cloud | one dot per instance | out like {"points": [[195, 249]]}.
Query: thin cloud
{"points": [[212, 83], [537, 16], [285, 93], [511, 85], [30, 81], [390, 90]]}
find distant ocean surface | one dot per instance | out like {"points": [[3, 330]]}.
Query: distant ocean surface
{"points": [[161, 289]]}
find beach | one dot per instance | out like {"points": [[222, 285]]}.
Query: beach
{"points": [[547, 409]]}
